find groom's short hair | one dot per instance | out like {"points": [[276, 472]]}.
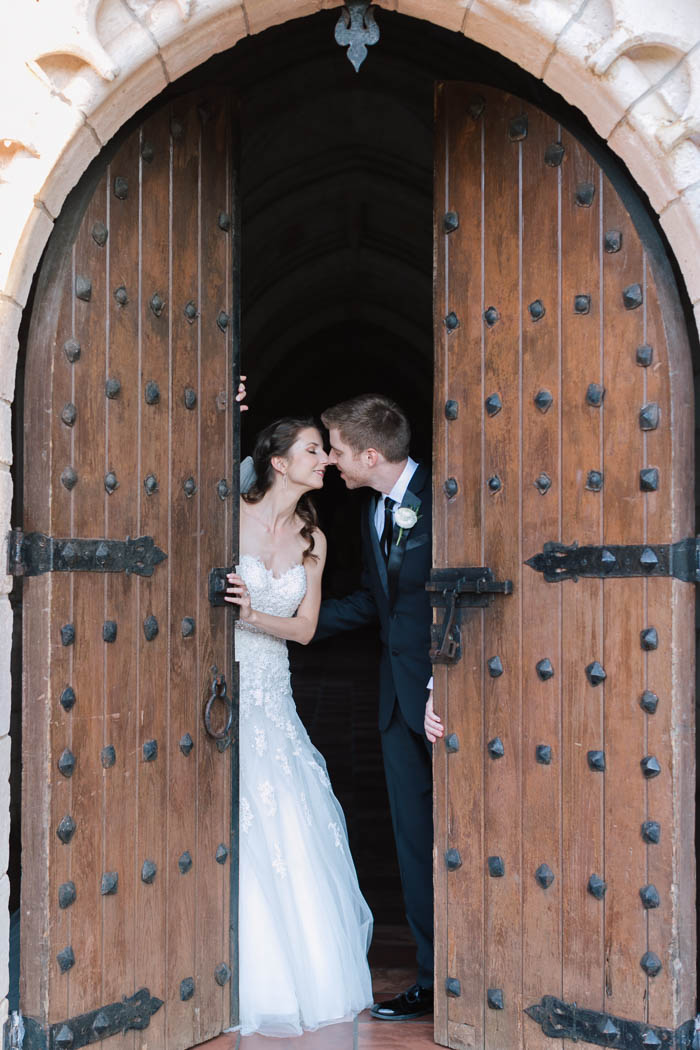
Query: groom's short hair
{"points": [[371, 421]]}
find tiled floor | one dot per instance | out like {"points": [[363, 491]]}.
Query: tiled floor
{"points": [[363, 1033]]}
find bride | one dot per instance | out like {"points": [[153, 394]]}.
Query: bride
{"points": [[304, 927]]}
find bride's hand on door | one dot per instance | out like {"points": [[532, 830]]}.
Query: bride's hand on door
{"points": [[241, 395], [432, 724]]}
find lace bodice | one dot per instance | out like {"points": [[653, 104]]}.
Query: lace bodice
{"points": [[263, 659]]}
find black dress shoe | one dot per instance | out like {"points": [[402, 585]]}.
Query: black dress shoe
{"points": [[412, 1003]]}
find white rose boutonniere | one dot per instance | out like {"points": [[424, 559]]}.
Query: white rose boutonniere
{"points": [[405, 518]]}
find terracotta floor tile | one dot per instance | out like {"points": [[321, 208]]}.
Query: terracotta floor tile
{"points": [[395, 1035], [226, 1041], [389, 981], [331, 1037]]}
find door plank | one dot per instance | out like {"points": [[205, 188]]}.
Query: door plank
{"points": [[541, 633], [213, 781], [88, 503], [502, 509], [121, 592], [153, 592], [582, 608]]}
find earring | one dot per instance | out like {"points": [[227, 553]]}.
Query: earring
{"points": [[284, 482]]}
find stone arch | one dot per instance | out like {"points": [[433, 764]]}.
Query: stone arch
{"points": [[75, 73]]}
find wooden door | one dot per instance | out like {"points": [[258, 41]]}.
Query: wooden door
{"points": [[563, 413], [129, 857]]}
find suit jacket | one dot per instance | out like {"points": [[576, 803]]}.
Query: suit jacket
{"points": [[394, 595]]}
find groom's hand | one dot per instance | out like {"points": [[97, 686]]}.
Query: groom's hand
{"points": [[241, 395], [433, 725]]}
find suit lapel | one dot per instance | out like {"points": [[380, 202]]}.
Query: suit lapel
{"points": [[398, 547], [374, 543]]}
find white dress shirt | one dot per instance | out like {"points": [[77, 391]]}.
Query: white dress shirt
{"points": [[397, 493]]}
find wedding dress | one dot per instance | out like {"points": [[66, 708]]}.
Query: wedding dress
{"points": [[304, 927]]}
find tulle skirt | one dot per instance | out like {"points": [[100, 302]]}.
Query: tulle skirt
{"points": [[304, 926]]}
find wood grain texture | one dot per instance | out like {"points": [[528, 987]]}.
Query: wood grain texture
{"points": [[533, 226]]}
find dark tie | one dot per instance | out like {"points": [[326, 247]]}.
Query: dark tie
{"points": [[385, 542]]}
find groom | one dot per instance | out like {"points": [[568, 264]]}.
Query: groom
{"points": [[369, 442]]}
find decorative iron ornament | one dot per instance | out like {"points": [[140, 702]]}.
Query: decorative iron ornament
{"points": [[148, 871], [69, 414], [67, 698], [585, 194], [71, 349], [518, 128], [495, 747], [356, 30], [493, 404], [185, 862], [100, 234], [157, 304], [453, 987], [150, 628], [557, 561], [134, 1012], [648, 702], [108, 756], [544, 669], [650, 766], [109, 884], [451, 221], [453, 860], [561, 1020], [651, 832], [543, 399], [66, 894], [554, 155], [35, 553], [150, 483], [649, 896], [597, 887], [613, 241], [83, 288], [497, 867]]}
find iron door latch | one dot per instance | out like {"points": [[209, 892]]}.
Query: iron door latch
{"points": [[454, 590]]}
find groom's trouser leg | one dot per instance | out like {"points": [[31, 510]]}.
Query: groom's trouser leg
{"points": [[409, 778]]}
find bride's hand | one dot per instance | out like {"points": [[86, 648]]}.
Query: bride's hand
{"points": [[237, 593], [241, 395], [433, 726]]}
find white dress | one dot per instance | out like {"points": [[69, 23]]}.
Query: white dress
{"points": [[304, 926]]}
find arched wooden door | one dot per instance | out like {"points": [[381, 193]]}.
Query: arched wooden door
{"points": [[129, 857], [564, 813]]}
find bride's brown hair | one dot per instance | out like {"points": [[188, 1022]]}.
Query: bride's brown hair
{"points": [[276, 440]]}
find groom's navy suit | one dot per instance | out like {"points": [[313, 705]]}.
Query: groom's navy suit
{"points": [[394, 594]]}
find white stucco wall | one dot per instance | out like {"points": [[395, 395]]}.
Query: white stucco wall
{"points": [[73, 71]]}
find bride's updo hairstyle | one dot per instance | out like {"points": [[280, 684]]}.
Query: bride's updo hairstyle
{"points": [[276, 440]]}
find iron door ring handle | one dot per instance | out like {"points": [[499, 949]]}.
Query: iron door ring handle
{"points": [[218, 692]]}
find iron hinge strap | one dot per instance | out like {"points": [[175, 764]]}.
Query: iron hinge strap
{"points": [[34, 553], [454, 590], [681, 560], [132, 1012], [561, 1020]]}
